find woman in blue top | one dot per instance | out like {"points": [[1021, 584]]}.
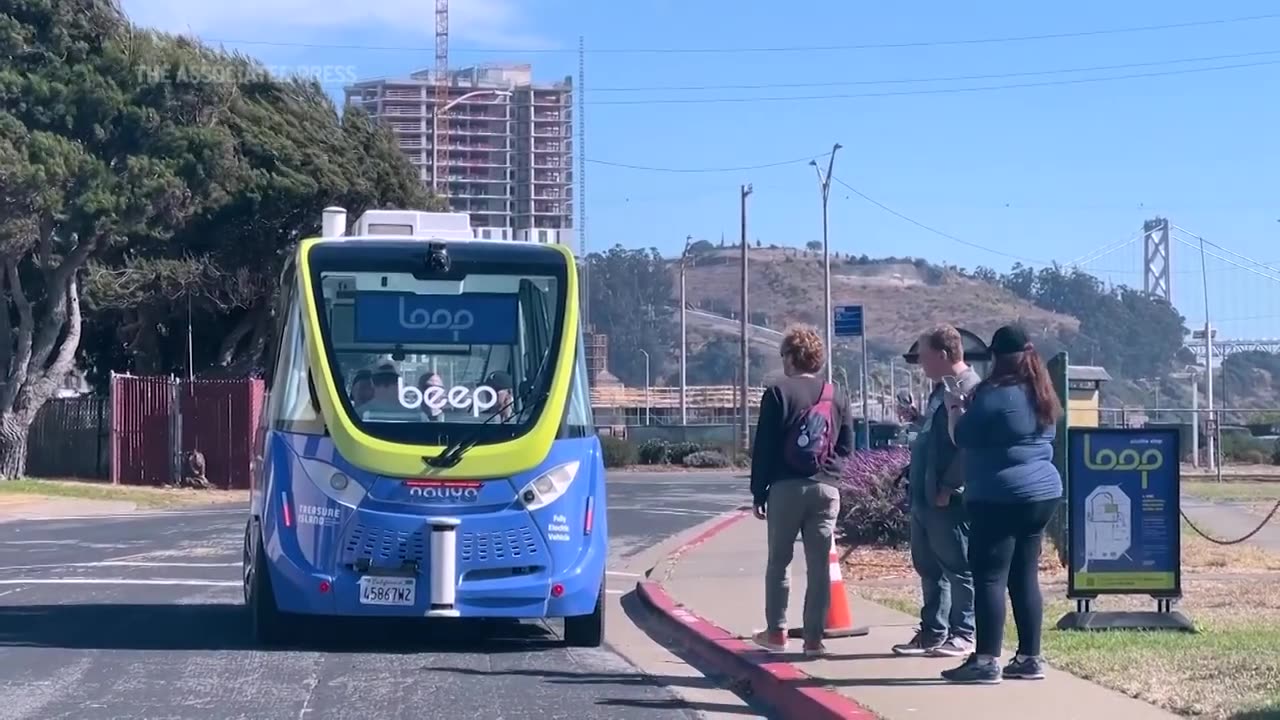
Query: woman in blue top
{"points": [[1005, 431]]}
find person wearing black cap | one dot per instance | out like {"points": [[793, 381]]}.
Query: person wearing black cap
{"points": [[502, 386], [1006, 429]]}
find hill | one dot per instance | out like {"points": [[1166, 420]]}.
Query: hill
{"points": [[902, 297]]}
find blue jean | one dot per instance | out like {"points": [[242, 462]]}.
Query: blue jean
{"points": [[939, 552]]}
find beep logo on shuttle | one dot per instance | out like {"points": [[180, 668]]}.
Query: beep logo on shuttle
{"points": [[1127, 460]]}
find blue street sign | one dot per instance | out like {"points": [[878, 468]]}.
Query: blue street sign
{"points": [[848, 321]]}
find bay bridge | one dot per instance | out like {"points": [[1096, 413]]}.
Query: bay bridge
{"points": [[1228, 294]]}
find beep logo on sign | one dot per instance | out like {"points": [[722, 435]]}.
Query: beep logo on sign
{"points": [[1127, 460]]}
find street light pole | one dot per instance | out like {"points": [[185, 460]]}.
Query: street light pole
{"points": [[646, 386], [684, 338], [435, 131], [743, 382], [825, 183]]}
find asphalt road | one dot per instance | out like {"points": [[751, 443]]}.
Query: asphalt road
{"points": [[141, 617]]}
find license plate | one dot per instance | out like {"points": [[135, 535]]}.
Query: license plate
{"points": [[386, 590]]}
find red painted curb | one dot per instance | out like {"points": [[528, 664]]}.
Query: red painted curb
{"points": [[710, 532], [781, 685]]}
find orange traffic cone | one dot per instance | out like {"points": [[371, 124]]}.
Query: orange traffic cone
{"points": [[839, 622]]}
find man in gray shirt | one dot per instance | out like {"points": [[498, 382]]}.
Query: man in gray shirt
{"points": [[939, 528]]}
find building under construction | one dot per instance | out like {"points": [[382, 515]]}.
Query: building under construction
{"points": [[617, 405]]}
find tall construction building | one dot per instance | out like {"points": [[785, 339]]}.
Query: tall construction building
{"points": [[509, 142]]}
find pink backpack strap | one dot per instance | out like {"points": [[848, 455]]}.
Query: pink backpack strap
{"points": [[828, 392]]}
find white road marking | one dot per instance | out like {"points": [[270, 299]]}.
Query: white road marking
{"points": [[616, 592], [622, 574], [134, 515], [118, 563], [230, 548], [122, 581]]}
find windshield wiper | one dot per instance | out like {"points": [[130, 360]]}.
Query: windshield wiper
{"points": [[452, 454]]}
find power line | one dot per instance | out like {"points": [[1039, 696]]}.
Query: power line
{"points": [[780, 49], [933, 91], [797, 161], [1227, 260], [950, 78], [934, 230]]}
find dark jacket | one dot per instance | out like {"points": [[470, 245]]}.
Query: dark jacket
{"points": [[783, 405], [1008, 457]]}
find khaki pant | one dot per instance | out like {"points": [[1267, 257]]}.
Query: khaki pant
{"points": [[808, 509]]}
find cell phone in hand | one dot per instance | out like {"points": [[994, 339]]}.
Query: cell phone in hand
{"points": [[904, 399], [951, 383]]}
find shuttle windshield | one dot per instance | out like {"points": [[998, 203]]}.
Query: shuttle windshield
{"points": [[423, 358]]}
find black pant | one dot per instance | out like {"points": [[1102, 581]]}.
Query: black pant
{"points": [[1004, 552]]}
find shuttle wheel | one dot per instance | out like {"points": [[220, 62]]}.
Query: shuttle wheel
{"points": [[268, 626], [587, 630]]}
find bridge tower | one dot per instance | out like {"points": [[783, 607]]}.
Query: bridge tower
{"points": [[1156, 262]]}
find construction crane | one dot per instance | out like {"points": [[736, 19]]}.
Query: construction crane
{"points": [[440, 139]]}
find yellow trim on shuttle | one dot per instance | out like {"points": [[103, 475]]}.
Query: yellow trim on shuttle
{"points": [[482, 461]]}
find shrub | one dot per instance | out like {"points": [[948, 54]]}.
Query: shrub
{"points": [[677, 452], [654, 452], [617, 452], [1275, 453], [1241, 448], [706, 459], [873, 503]]}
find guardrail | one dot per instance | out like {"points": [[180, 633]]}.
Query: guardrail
{"points": [[699, 396]]}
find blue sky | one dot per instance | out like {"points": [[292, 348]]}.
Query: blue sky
{"points": [[1046, 173]]}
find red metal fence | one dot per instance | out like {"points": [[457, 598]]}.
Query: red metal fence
{"points": [[156, 421]]}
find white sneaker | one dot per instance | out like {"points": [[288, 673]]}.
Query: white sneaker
{"points": [[953, 647], [771, 641]]}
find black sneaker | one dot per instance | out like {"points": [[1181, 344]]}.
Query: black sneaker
{"points": [[918, 645], [974, 671], [1031, 668]]}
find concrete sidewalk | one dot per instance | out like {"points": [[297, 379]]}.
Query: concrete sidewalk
{"points": [[722, 580], [25, 507]]}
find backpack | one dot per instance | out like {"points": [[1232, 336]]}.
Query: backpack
{"points": [[811, 441]]}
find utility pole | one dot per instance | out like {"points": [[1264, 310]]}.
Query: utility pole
{"points": [[1211, 429], [684, 337], [893, 381], [866, 389], [825, 184], [1211, 434], [744, 379]]}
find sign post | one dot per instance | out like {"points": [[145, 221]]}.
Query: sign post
{"points": [[1124, 529], [848, 322]]}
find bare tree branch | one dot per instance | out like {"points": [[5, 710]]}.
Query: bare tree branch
{"points": [[6, 329], [26, 325], [227, 351], [64, 362]]}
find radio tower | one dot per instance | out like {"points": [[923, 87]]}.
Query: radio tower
{"points": [[440, 141]]}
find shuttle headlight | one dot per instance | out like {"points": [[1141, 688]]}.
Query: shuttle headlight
{"points": [[549, 486], [332, 482]]}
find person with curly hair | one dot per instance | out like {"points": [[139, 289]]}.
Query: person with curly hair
{"points": [[803, 436]]}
